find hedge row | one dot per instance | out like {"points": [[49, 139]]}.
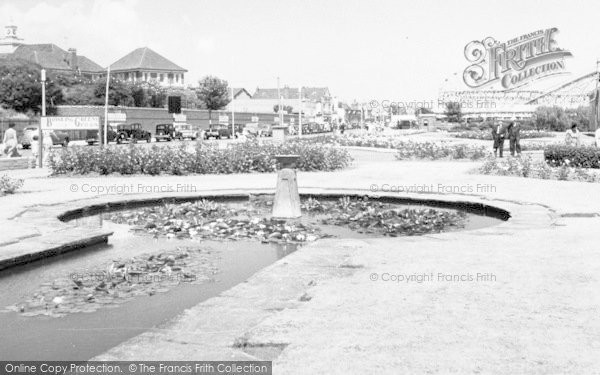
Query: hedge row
{"points": [[204, 158], [573, 156]]}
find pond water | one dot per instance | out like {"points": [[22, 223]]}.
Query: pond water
{"points": [[82, 334]]}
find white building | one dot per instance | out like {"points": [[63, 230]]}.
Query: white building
{"points": [[145, 65]]}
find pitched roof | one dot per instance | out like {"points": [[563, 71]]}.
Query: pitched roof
{"points": [[86, 65], [49, 56], [311, 93], [239, 90], [315, 93], [144, 59], [52, 57]]}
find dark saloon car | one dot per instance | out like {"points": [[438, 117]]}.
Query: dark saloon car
{"points": [[132, 133], [166, 132]]}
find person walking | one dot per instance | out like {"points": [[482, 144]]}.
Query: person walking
{"points": [[573, 136], [514, 137], [10, 141], [498, 135]]}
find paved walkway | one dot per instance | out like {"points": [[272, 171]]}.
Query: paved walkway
{"points": [[533, 308]]}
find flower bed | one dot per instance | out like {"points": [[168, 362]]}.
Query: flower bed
{"points": [[439, 150], [573, 156], [487, 135], [362, 140], [205, 158], [525, 167], [409, 149]]}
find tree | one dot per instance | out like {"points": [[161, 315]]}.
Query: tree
{"points": [[559, 119], [214, 94], [138, 94], [189, 99], [79, 94], [119, 93], [286, 108], [21, 87], [453, 111]]}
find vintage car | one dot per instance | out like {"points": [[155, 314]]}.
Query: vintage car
{"points": [[95, 136], [218, 131], [258, 130], [167, 132], [59, 137], [186, 131], [132, 133]]}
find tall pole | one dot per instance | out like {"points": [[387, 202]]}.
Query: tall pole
{"points": [[232, 114], [597, 101], [279, 108], [300, 111], [105, 138], [43, 119]]}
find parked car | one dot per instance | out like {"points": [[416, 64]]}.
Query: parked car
{"points": [[167, 132], [59, 137], [252, 129], [94, 136], [187, 131], [218, 131], [265, 130], [132, 133]]}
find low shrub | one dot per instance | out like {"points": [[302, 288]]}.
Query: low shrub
{"points": [[487, 135], [204, 158], [9, 185], [574, 156], [362, 140], [439, 150], [525, 167]]}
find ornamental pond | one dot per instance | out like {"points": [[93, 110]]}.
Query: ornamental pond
{"points": [[165, 257]]}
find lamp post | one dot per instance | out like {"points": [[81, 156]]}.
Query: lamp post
{"points": [[42, 120], [232, 113], [279, 109], [105, 135], [300, 111], [595, 123]]}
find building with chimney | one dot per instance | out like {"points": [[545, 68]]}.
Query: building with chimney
{"points": [[49, 56], [145, 65]]}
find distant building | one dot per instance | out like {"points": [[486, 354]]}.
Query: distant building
{"points": [[10, 42], [48, 56], [241, 93], [316, 101], [145, 65]]}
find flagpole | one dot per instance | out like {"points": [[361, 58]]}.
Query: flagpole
{"points": [[300, 111], [597, 102], [42, 120], [105, 140], [232, 114]]}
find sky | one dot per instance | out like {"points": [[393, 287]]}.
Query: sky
{"points": [[365, 50]]}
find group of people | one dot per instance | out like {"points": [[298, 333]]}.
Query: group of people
{"points": [[9, 146], [499, 134], [573, 136]]}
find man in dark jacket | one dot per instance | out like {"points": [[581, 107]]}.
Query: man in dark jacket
{"points": [[498, 134], [514, 136]]}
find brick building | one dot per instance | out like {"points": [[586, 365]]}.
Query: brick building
{"points": [[49, 56]]}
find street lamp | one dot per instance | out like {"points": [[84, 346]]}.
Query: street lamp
{"points": [[300, 111], [105, 138], [43, 119]]}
